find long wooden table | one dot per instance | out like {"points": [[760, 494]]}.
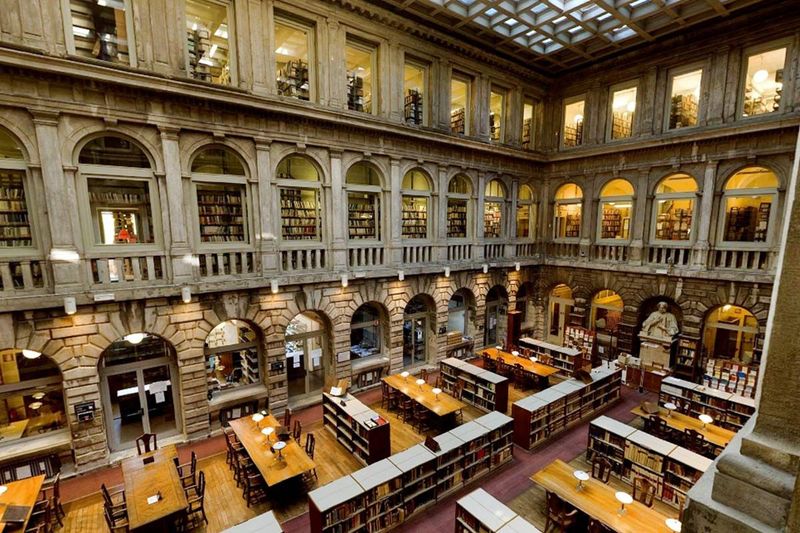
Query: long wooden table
{"points": [[717, 436], [598, 500], [145, 480], [293, 460], [540, 370], [443, 405], [24, 492]]}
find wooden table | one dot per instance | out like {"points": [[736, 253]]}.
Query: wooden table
{"points": [[145, 480], [598, 500], [443, 405], [539, 370], [717, 436], [24, 492], [293, 461]]}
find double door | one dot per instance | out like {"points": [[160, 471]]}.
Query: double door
{"points": [[415, 338], [558, 318], [305, 364]]}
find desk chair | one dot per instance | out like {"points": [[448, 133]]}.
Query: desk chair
{"points": [[147, 442], [560, 515]]}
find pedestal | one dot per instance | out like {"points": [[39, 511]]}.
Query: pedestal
{"points": [[651, 352]]}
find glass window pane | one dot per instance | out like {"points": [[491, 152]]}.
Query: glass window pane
{"points": [[363, 174], [360, 59], [492, 220], [208, 39], [526, 218], [121, 211], [459, 185], [623, 109], [569, 191], [525, 193], [684, 99], [747, 218], [100, 30], [114, 151], [221, 212], [764, 82], [414, 85], [364, 215], [415, 180], [527, 124], [677, 183], [617, 187], [456, 219], [460, 105], [15, 226], [297, 168], [415, 217], [300, 214], [616, 221], [229, 369], [497, 124], [218, 161], [573, 124], [365, 333], [9, 148], [291, 58], [495, 189], [752, 178], [568, 221], [674, 219]]}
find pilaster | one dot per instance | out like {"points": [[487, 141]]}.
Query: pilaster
{"points": [[181, 270], [702, 246]]}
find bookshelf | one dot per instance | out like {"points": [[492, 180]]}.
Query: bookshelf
{"points": [[263, 523], [730, 376], [293, 80], [412, 107], [762, 222], [299, 216], [456, 219], [362, 216], [357, 427], [480, 512], [625, 334], [674, 226], [545, 414], [221, 214], [581, 339], [683, 111], [730, 411], [415, 218], [494, 127], [687, 357], [481, 388], [611, 224], [355, 93], [527, 133], [382, 495], [459, 346], [564, 358], [636, 454], [492, 220], [621, 125], [15, 226], [458, 121], [573, 134]]}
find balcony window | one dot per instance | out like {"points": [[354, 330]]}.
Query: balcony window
{"points": [[748, 200], [415, 85], [674, 208], [623, 111], [494, 203], [301, 207], [416, 197], [366, 332], [684, 101], [606, 312], [233, 358], [293, 44], [526, 213], [15, 224], [572, 133], [764, 82], [730, 332], [616, 210], [100, 30], [209, 41], [459, 206], [220, 191], [568, 209], [361, 59], [363, 183], [497, 116], [527, 124], [460, 104]]}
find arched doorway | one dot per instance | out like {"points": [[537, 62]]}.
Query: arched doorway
{"points": [[461, 313], [307, 350], [496, 311], [526, 306], [559, 308], [730, 332], [138, 378], [418, 330], [233, 358]]}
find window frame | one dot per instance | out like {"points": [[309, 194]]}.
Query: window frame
{"points": [[232, 56], [564, 103], [378, 191], [503, 91], [428, 195], [31, 206], [469, 198], [364, 325], [294, 183], [532, 101], [747, 53], [533, 209], [701, 106], [469, 81], [619, 87], [356, 41], [203, 178], [222, 395], [279, 18], [570, 201], [69, 36], [601, 200], [503, 201], [694, 196], [723, 215]]}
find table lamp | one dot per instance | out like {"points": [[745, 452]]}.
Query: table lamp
{"points": [[436, 391], [404, 375], [669, 406], [705, 419], [420, 382], [581, 476], [257, 418], [674, 524], [623, 498], [533, 359], [3, 489], [515, 353], [499, 348], [267, 432], [278, 446]]}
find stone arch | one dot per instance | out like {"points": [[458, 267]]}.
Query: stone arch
{"points": [[429, 169], [730, 168], [22, 133], [78, 139], [318, 157], [190, 152], [383, 176]]}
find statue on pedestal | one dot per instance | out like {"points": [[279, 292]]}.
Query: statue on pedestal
{"points": [[661, 325]]}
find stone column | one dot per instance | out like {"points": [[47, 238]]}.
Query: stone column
{"points": [[337, 68], [181, 269], [441, 213], [588, 218], [266, 231], [639, 222], [510, 233], [753, 484], [395, 213], [338, 212], [477, 250], [702, 216], [443, 116]]}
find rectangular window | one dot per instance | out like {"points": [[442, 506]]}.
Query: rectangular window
{"points": [[300, 212], [674, 219], [492, 220], [623, 111], [526, 217], [121, 211], [616, 221], [100, 30], [684, 103], [221, 212], [208, 40], [568, 221], [415, 81], [360, 59], [364, 215], [747, 218], [460, 99], [292, 46], [456, 218], [527, 124], [497, 104], [15, 226], [764, 82], [415, 217], [573, 124]]}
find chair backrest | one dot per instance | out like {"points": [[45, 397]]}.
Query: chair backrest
{"points": [[201, 485], [310, 444], [423, 374], [106, 495], [385, 389], [298, 430], [601, 469], [147, 443], [644, 491], [555, 506], [287, 417]]}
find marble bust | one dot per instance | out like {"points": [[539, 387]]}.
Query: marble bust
{"points": [[661, 325]]}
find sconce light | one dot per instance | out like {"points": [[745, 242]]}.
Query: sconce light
{"points": [[517, 266], [344, 280], [447, 272], [186, 295], [70, 307], [485, 268], [401, 275], [273, 285], [135, 338]]}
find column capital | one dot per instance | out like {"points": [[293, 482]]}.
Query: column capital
{"points": [[45, 118], [262, 143], [169, 132]]}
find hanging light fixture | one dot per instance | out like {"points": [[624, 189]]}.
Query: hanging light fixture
{"points": [[135, 338], [273, 285], [401, 275], [70, 307], [186, 295], [30, 354]]}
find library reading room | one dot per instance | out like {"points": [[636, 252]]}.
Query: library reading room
{"points": [[427, 266]]}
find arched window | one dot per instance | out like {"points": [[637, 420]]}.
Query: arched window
{"points": [[220, 188], [31, 395], [15, 223], [306, 344], [606, 312], [748, 203], [560, 307], [526, 213], [459, 207], [418, 330], [121, 193], [233, 357], [301, 203], [616, 209], [363, 183], [494, 206], [568, 209], [416, 197], [730, 333], [366, 332], [673, 210], [496, 316]]}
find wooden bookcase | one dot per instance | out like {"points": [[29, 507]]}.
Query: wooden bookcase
{"points": [[480, 512], [683, 111], [611, 224], [481, 388], [674, 226], [299, 218], [456, 219], [458, 121], [15, 226], [412, 107], [355, 92], [687, 357], [492, 220], [545, 414], [357, 427], [263, 523], [415, 218], [634, 453], [730, 376], [625, 333], [527, 133], [382, 495], [730, 411], [362, 216], [293, 80], [582, 339], [566, 359], [221, 214]]}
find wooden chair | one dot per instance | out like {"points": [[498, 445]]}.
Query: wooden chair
{"points": [[147, 442], [644, 491], [187, 472], [559, 514], [388, 396], [52, 492], [407, 409], [657, 426], [423, 374], [601, 469], [41, 519], [231, 444], [489, 364], [596, 526], [196, 498], [297, 432], [695, 441], [255, 488], [114, 501], [311, 444], [287, 418], [522, 380], [115, 524], [423, 418]]}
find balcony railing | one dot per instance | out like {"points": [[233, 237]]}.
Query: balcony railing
{"points": [[459, 252], [366, 256], [223, 264], [306, 259], [610, 253], [416, 255], [22, 276], [131, 270], [493, 251], [747, 260], [564, 250], [527, 249], [668, 256]]}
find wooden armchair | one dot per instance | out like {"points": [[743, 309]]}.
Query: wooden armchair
{"points": [[644, 491], [601, 469], [146, 443], [560, 515]]}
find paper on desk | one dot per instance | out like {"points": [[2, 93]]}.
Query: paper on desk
{"points": [[152, 499], [159, 397]]}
